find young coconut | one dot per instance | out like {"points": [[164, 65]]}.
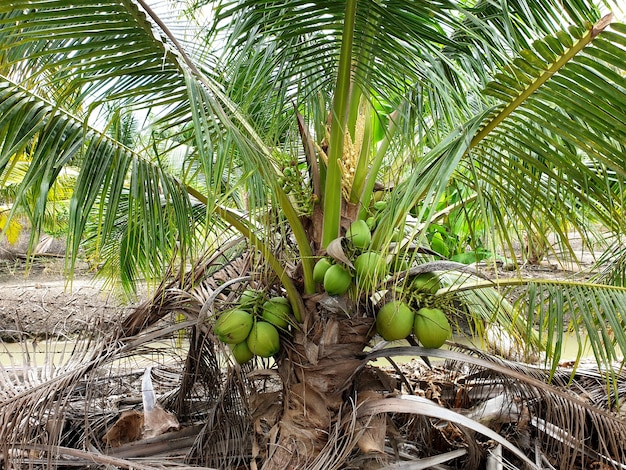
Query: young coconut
{"points": [[379, 205], [395, 320], [277, 311], [370, 268], [264, 339], [233, 326], [250, 299], [337, 280], [431, 327], [359, 234], [241, 352], [438, 244], [320, 268]]}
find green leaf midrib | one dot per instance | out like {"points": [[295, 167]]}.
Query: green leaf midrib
{"points": [[541, 79]]}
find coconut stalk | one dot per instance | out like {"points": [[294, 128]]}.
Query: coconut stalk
{"points": [[339, 115]]}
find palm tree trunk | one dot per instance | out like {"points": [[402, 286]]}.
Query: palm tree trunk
{"points": [[317, 375]]}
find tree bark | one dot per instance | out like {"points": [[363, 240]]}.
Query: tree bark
{"points": [[318, 375]]}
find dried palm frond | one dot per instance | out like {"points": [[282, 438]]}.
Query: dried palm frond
{"points": [[524, 403], [342, 440], [423, 406], [46, 413], [185, 292], [225, 439]]}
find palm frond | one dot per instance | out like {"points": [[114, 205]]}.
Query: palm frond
{"points": [[71, 397], [106, 168], [574, 158], [556, 307], [542, 312], [613, 265], [425, 407], [568, 426], [415, 38], [88, 52], [135, 65], [547, 161]]}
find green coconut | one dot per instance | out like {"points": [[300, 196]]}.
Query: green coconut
{"points": [[370, 268], [379, 205], [431, 327], [337, 280], [395, 320], [320, 269], [241, 352], [359, 234], [277, 311], [426, 282], [263, 339], [249, 298], [233, 326]]}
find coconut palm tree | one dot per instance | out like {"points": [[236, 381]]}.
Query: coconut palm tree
{"points": [[293, 124]]}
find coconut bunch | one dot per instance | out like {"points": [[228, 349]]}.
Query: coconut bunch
{"points": [[254, 326], [351, 266], [360, 269]]}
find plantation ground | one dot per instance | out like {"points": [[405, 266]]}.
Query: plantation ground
{"points": [[39, 302]]}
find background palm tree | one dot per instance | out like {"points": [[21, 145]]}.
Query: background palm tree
{"points": [[293, 118]]}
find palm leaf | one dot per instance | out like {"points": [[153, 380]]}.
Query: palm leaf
{"points": [[414, 38], [145, 73], [563, 421], [613, 263], [543, 153], [422, 406], [560, 306], [72, 391], [62, 140], [562, 115]]}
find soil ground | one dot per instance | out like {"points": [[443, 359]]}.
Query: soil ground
{"points": [[39, 301]]}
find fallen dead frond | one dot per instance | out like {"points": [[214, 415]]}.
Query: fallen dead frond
{"points": [[51, 413]]}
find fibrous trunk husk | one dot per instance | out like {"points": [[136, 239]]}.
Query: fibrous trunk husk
{"points": [[317, 374]]}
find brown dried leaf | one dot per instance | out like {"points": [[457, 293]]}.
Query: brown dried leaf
{"points": [[128, 428], [335, 250], [373, 428], [158, 421]]}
